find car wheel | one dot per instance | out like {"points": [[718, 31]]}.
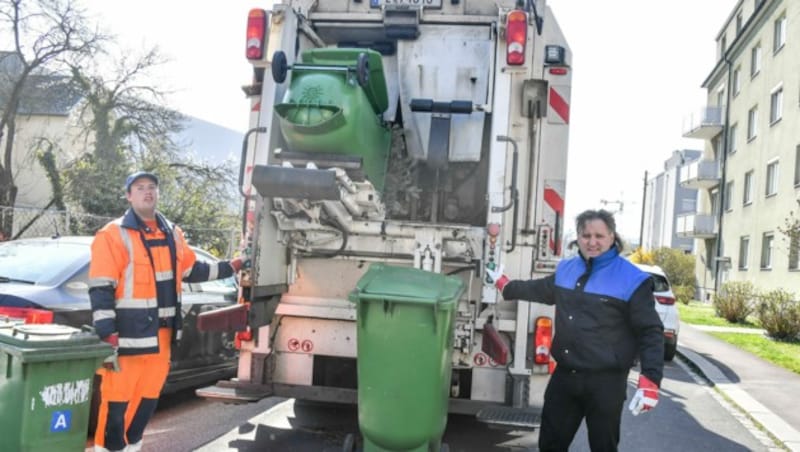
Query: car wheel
{"points": [[669, 350]]}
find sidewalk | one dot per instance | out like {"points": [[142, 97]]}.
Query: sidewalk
{"points": [[768, 393]]}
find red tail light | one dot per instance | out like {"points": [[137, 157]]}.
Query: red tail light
{"points": [[256, 34], [242, 336], [29, 315], [543, 340], [665, 300], [516, 37]]}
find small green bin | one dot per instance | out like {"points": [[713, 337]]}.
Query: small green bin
{"points": [[404, 340], [46, 386]]}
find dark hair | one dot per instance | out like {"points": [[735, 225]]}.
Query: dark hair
{"points": [[604, 216]]}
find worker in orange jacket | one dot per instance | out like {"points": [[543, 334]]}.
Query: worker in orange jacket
{"points": [[138, 263]]}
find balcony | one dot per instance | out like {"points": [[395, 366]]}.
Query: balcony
{"points": [[696, 225], [700, 174], [705, 124]]}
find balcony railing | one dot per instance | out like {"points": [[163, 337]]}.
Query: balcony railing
{"points": [[700, 174], [705, 124], [696, 225]]}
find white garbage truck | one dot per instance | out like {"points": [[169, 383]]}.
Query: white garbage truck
{"points": [[423, 133]]}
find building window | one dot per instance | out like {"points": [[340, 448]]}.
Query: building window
{"points": [[744, 251], [779, 34], [797, 166], [794, 251], [723, 44], [737, 84], [752, 123], [748, 187], [771, 187], [732, 139], [755, 60], [714, 200], [728, 195], [766, 250], [739, 22], [776, 105]]}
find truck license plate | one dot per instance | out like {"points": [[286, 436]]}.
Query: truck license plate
{"points": [[423, 3]]}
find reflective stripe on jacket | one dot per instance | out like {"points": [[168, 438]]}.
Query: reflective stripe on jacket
{"points": [[140, 265]]}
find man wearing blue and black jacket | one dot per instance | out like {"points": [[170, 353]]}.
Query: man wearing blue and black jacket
{"points": [[605, 318]]}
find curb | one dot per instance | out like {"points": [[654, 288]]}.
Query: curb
{"points": [[785, 433]]}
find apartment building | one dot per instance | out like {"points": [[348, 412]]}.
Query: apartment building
{"points": [[748, 179], [666, 201]]}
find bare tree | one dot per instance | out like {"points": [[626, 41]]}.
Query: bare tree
{"points": [[124, 120], [43, 35]]}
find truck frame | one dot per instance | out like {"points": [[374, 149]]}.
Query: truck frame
{"points": [[477, 95]]}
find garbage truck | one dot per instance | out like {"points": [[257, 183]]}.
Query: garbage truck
{"points": [[429, 134]]}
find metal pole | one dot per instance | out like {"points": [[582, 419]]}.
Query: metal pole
{"points": [[644, 204]]}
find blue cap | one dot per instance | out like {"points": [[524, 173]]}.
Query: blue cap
{"points": [[138, 175]]}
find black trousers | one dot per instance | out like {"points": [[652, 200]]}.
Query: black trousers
{"points": [[572, 396]]}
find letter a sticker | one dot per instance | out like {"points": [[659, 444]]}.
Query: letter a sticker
{"points": [[61, 421]]}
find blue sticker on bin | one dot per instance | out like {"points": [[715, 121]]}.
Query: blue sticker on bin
{"points": [[61, 421]]}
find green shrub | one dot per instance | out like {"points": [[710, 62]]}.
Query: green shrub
{"points": [[734, 302], [778, 311], [683, 294], [678, 266]]}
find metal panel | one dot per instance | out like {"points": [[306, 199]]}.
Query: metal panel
{"points": [[437, 66]]}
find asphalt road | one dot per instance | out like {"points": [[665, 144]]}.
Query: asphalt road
{"points": [[689, 417]]}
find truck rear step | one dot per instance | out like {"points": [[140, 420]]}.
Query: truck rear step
{"points": [[510, 418]]}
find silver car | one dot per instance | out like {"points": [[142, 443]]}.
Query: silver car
{"points": [[665, 306]]}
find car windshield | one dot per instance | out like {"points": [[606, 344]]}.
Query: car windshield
{"points": [[661, 283], [41, 262]]}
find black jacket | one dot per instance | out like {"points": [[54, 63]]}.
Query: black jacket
{"points": [[605, 314]]}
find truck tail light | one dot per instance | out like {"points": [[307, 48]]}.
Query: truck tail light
{"points": [[243, 336], [256, 34], [665, 300], [516, 37], [543, 340], [29, 315]]}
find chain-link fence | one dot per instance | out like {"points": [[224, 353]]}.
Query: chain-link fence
{"points": [[36, 222]]}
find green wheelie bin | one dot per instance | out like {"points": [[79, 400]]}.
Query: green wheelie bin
{"points": [[46, 386], [404, 340]]}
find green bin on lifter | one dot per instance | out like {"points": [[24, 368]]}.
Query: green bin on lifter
{"points": [[404, 340], [325, 110], [46, 386]]}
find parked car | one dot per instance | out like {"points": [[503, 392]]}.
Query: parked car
{"points": [[53, 274], [665, 306]]}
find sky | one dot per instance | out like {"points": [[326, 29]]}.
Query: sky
{"points": [[638, 67]]}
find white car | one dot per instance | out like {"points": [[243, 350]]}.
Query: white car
{"points": [[665, 306]]}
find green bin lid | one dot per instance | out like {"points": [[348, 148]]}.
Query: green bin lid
{"points": [[51, 342], [391, 283], [376, 87]]}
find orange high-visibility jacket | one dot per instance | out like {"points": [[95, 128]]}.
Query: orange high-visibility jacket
{"points": [[135, 280]]}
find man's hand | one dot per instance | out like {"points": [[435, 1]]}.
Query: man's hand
{"points": [[245, 254], [112, 363], [646, 396], [112, 339], [494, 275]]}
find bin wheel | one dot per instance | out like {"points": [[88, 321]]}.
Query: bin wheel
{"points": [[279, 66], [362, 70], [349, 443]]}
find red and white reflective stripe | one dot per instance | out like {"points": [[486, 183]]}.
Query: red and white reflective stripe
{"points": [[558, 101], [555, 201]]}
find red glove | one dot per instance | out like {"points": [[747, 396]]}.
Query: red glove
{"points": [[646, 396], [495, 275], [236, 264], [112, 339]]}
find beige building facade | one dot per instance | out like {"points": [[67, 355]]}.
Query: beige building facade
{"points": [[748, 179]]}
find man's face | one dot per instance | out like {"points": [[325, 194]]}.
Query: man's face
{"points": [[143, 196], [595, 239]]}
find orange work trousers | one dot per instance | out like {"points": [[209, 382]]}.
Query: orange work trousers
{"points": [[139, 377]]}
